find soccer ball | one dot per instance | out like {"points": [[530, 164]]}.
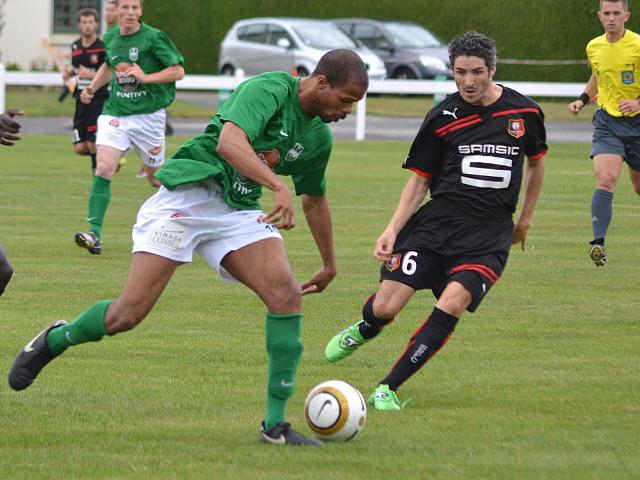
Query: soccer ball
{"points": [[335, 410]]}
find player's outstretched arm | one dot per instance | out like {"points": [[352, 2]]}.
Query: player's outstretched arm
{"points": [[100, 79], [318, 215], [411, 198], [532, 187]]}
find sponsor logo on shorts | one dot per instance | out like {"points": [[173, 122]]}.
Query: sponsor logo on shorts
{"points": [[114, 122], [516, 127], [179, 215], [394, 262]]}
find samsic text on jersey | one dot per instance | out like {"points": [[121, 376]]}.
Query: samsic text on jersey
{"points": [[474, 155]]}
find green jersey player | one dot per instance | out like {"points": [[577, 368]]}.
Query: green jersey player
{"points": [[143, 65], [272, 124]]}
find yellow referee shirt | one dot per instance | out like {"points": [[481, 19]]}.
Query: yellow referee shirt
{"points": [[616, 67]]}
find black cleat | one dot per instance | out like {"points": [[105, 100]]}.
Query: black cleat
{"points": [[32, 359], [282, 434], [90, 241]]}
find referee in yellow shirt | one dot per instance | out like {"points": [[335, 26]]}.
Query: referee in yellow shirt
{"points": [[615, 65]]}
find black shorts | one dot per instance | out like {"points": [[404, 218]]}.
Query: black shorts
{"points": [[440, 244], [85, 120]]}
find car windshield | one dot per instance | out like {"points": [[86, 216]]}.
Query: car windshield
{"points": [[406, 35], [325, 36]]}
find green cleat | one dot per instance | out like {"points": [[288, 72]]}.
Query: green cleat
{"points": [[344, 343], [383, 398]]}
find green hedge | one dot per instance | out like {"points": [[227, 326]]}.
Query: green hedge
{"points": [[523, 29]]}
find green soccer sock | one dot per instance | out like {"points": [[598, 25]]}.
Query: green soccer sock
{"points": [[99, 199], [87, 327], [284, 349]]}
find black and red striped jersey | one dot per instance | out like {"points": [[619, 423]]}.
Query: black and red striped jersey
{"points": [[91, 57], [474, 155]]}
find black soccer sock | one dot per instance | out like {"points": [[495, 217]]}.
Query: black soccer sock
{"points": [[93, 163], [424, 344], [372, 325]]}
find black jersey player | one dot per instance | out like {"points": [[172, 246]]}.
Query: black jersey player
{"points": [[87, 55], [469, 155]]}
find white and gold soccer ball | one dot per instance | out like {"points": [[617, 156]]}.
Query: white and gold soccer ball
{"points": [[335, 410]]}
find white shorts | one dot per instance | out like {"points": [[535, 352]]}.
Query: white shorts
{"points": [[174, 223], [146, 132]]}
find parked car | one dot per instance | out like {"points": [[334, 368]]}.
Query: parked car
{"points": [[262, 44], [408, 49]]}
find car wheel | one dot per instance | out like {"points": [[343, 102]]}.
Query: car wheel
{"points": [[404, 74], [302, 72]]}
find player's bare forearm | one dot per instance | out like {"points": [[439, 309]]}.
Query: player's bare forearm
{"points": [[168, 75], [235, 148], [411, 198], [532, 186], [591, 89], [101, 78], [318, 215]]}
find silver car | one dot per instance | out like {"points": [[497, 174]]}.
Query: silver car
{"points": [[408, 49], [258, 45]]}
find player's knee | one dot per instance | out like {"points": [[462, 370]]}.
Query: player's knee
{"points": [[284, 295], [80, 148], [607, 182], [384, 308], [122, 318]]}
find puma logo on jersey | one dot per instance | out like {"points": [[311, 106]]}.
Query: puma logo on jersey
{"points": [[453, 114]]}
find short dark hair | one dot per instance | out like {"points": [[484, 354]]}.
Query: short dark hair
{"points": [[625, 3], [342, 66], [473, 44], [88, 12]]}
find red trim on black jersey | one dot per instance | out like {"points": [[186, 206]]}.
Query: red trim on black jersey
{"points": [[538, 156], [421, 173], [77, 52], [96, 50], [515, 110], [92, 128], [452, 128], [477, 267], [456, 122]]}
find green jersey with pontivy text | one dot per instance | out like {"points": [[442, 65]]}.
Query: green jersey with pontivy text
{"points": [[153, 51]]}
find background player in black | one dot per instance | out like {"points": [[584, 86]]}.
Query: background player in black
{"points": [[469, 155], [87, 54], [9, 133]]}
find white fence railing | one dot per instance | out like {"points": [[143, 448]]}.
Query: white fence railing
{"points": [[219, 82]]}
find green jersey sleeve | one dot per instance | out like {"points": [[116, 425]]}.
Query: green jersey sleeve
{"points": [[166, 51], [253, 105]]}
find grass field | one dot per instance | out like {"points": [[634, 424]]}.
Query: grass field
{"points": [[541, 382], [35, 103]]}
